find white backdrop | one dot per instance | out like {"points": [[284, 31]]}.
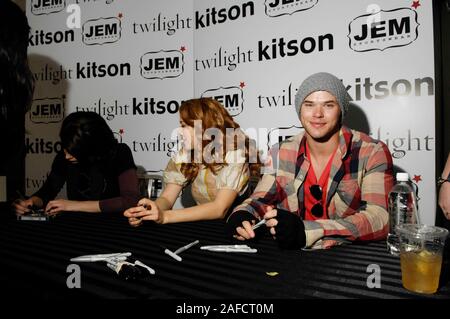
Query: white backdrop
{"points": [[135, 61]]}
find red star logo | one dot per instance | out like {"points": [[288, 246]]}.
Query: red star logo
{"points": [[242, 84], [121, 131], [417, 178], [120, 15], [183, 48], [415, 4]]}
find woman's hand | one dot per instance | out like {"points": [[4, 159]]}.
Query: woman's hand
{"points": [[61, 205], [444, 199], [146, 210], [21, 206], [24, 206]]}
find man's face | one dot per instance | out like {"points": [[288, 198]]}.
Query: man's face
{"points": [[320, 115]]}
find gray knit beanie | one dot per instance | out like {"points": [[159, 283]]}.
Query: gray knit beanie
{"points": [[323, 82]]}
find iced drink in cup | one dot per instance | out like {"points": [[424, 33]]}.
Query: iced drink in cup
{"points": [[421, 248]]}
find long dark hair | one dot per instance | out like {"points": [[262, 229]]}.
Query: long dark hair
{"points": [[87, 137], [16, 80]]}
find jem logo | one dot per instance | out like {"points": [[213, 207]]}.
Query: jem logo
{"points": [[162, 64], [39, 7], [47, 110], [232, 98], [276, 8], [395, 28], [101, 31], [279, 134]]}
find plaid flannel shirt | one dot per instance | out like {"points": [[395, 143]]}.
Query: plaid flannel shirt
{"points": [[360, 179]]}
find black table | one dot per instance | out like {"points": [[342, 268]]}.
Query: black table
{"points": [[35, 257]]}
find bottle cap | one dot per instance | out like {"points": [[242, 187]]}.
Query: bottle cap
{"points": [[402, 177]]}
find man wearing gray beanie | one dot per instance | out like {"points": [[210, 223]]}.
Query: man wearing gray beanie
{"points": [[325, 186], [323, 82]]}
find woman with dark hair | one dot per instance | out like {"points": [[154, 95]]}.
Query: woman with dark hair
{"points": [[216, 159], [16, 92], [99, 172]]}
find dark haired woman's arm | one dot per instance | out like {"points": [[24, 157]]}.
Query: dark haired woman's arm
{"points": [[444, 192], [129, 193], [63, 205], [54, 182]]}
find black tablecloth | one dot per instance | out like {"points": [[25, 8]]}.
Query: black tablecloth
{"points": [[35, 256]]}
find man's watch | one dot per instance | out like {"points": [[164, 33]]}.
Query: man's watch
{"points": [[443, 180]]}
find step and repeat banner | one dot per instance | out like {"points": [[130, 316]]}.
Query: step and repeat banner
{"points": [[133, 62]]}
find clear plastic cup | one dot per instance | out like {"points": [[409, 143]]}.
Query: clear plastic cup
{"points": [[421, 249]]}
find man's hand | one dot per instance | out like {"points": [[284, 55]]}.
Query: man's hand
{"points": [[238, 222], [245, 231], [241, 223], [286, 228]]}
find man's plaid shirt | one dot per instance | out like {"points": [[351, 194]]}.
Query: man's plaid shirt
{"points": [[360, 179]]}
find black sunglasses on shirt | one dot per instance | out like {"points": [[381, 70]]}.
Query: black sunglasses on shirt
{"points": [[317, 193]]}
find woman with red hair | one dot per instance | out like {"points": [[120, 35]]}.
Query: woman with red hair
{"points": [[216, 159]]}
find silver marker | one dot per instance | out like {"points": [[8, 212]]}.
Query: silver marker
{"points": [[173, 255], [140, 263], [179, 250], [99, 257], [230, 248], [259, 224], [225, 246]]}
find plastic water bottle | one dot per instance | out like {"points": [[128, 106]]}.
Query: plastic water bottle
{"points": [[402, 208]]}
